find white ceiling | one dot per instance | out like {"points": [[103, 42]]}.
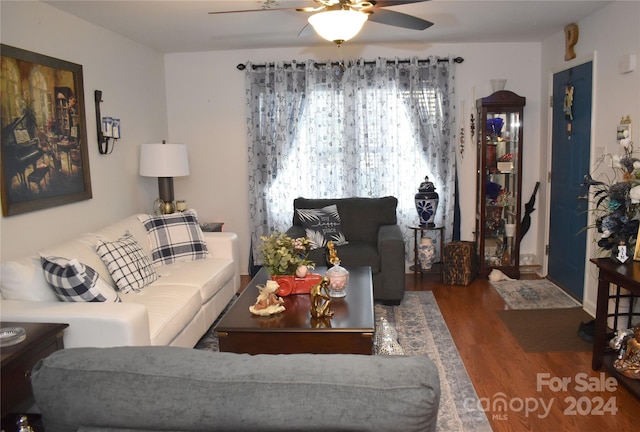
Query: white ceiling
{"points": [[185, 26]]}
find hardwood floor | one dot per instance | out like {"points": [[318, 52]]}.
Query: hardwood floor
{"points": [[502, 372]]}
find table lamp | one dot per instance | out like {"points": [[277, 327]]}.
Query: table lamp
{"points": [[164, 161]]}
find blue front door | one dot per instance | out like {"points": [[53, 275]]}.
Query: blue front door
{"points": [[570, 162]]}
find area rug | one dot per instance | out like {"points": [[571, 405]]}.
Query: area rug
{"points": [[547, 330], [422, 331], [534, 294]]}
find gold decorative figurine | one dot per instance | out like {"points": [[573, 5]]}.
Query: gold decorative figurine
{"points": [[333, 256], [628, 362], [320, 299]]}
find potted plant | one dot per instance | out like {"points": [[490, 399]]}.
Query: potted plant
{"points": [[617, 202], [286, 262]]}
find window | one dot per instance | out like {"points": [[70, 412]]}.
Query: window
{"points": [[377, 130]]}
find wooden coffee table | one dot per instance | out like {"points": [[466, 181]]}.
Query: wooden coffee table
{"points": [[349, 331]]}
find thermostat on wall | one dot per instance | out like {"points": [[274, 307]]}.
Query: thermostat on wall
{"points": [[627, 63]]}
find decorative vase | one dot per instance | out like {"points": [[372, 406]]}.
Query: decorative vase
{"points": [[492, 162], [338, 280], [426, 253], [181, 205], [498, 84], [494, 127], [510, 230], [426, 201]]}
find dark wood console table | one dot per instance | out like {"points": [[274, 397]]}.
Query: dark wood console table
{"points": [[622, 276]]}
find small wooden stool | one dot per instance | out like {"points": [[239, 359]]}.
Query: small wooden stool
{"points": [[459, 263]]}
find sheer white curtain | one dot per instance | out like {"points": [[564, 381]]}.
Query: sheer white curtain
{"points": [[366, 129]]}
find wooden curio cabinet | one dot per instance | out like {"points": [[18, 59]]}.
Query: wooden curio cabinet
{"points": [[499, 187]]}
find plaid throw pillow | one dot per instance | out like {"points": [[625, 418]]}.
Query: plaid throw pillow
{"points": [[322, 225], [127, 263], [75, 282], [175, 237]]}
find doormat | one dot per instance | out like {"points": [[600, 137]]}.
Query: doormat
{"points": [[547, 330], [534, 294]]}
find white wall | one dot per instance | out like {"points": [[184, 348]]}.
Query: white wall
{"points": [[206, 109], [131, 78], [605, 36]]}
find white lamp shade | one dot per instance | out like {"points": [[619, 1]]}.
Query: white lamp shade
{"points": [[164, 160], [338, 25]]}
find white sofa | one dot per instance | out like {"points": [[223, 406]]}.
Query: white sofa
{"points": [[175, 310]]}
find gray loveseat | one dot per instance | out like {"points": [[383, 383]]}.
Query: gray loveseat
{"points": [[374, 239], [181, 389]]}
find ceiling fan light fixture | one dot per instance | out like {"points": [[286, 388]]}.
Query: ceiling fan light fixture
{"points": [[338, 25]]}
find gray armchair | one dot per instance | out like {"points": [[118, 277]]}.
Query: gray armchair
{"points": [[374, 239]]}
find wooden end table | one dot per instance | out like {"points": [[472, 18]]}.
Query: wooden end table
{"points": [[18, 360], [211, 226], [349, 331], [626, 276]]}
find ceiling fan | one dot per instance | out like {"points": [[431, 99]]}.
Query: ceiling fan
{"points": [[340, 20]]}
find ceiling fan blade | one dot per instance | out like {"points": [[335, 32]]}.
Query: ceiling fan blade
{"points": [[307, 29], [387, 3], [251, 10], [398, 19]]}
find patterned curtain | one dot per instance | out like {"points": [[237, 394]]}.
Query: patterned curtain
{"points": [[366, 129]]}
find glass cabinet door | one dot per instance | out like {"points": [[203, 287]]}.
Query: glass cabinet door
{"points": [[499, 182]]}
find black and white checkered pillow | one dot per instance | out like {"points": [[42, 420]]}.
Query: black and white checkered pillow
{"points": [[127, 263], [175, 237], [75, 282]]}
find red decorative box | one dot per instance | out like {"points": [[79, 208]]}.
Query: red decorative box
{"points": [[296, 285]]}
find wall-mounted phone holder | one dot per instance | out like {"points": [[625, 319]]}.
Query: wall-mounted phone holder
{"points": [[108, 128]]}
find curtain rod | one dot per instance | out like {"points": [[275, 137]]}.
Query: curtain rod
{"points": [[242, 66]]}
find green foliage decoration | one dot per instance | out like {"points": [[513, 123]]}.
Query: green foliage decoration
{"points": [[282, 255]]}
